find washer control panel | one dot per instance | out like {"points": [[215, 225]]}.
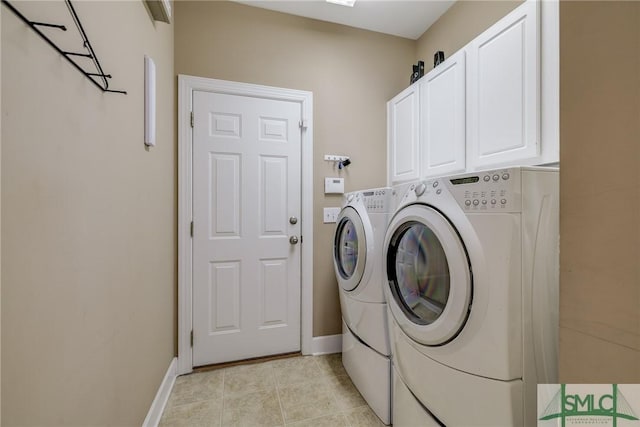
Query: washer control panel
{"points": [[487, 191], [423, 189], [377, 200]]}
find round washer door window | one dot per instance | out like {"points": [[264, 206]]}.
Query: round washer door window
{"points": [[429, 275], [422, 273], [349, 249]]}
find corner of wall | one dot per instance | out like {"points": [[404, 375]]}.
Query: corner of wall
{"points": [[0, 222]]}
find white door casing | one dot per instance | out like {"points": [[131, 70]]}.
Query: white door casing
{"points": [[246, 186], [227, 216]]}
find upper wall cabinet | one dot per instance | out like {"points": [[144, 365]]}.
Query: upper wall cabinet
{"points": [[402, 138], [503, 90], [494, 103], [442, 114]]}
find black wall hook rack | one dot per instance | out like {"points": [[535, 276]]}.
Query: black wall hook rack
{"points": [[99, 77]]}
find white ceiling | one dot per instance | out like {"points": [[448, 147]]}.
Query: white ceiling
{"points": [[408, 19]]}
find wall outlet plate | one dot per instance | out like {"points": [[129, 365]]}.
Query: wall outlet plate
{"points": [[330, 215]]}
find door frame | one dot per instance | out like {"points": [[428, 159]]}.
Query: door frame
{"points": [[186, 86]]}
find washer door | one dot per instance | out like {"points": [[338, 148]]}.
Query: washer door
{"points": [[349, 249], [429, 276]]}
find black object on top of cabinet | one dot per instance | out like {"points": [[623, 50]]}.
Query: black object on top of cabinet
{"points": [[418, 71]]}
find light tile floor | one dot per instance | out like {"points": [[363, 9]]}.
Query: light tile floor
{"points": [[301, 391]]}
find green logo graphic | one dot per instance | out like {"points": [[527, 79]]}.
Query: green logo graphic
{"points": [[565, 406]]}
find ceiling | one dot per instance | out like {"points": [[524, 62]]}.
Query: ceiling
{"points": [[408, 19]]}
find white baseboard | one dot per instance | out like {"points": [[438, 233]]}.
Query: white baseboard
{"points": [[326, 344], [160, 401]]}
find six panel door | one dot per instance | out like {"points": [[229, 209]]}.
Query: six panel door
{"points": [[246, 187]]}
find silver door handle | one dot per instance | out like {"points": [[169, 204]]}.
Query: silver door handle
{"points": [[293, 240], [293, 220]]}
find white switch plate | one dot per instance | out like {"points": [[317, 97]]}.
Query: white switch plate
{"points": [[330, 215]]}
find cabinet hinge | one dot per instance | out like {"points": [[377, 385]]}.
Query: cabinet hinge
{"points": [[191, 229], [302, 124], [192, 338], [192, 119]]}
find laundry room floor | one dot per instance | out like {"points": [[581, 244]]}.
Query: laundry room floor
{"points": [[299, 391]]}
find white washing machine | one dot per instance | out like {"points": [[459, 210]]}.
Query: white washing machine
{"points": [[357, 259], [472, 268]]}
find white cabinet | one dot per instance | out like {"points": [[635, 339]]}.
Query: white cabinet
{"points": [[503, 90], [426, 124], [402, 138], [494, 103], [442, 118]]}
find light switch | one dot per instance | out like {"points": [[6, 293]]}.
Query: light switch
{"points": [[330, 215]]}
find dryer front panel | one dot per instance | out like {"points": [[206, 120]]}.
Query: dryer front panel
{"points": [[429, 278]]}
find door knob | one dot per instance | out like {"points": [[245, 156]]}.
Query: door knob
{"points": [[293, 240], [293, 220]]}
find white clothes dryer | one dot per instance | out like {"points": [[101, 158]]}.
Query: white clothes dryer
{"points": [[472, 289], [357, 256]]}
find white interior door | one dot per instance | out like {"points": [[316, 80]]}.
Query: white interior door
{"points": [[246, 192]]}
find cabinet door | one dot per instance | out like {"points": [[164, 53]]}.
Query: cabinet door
{"points": [[402, 128], [442, 113], [503, 82]]}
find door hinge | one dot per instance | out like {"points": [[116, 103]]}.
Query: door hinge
{"points": [[191, 229], [302, 124], [192, 338], [192, 119]]}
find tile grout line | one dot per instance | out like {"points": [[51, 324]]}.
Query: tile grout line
{"points": [[327, 379], [273, 373], [224, 375]]}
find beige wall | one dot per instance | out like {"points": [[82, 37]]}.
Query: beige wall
{"points": [[458, 26], [88, 223], [600, 192], [352, 74]]}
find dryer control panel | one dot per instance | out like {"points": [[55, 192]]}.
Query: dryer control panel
{"points": [[487, 191], [377, 200]]}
